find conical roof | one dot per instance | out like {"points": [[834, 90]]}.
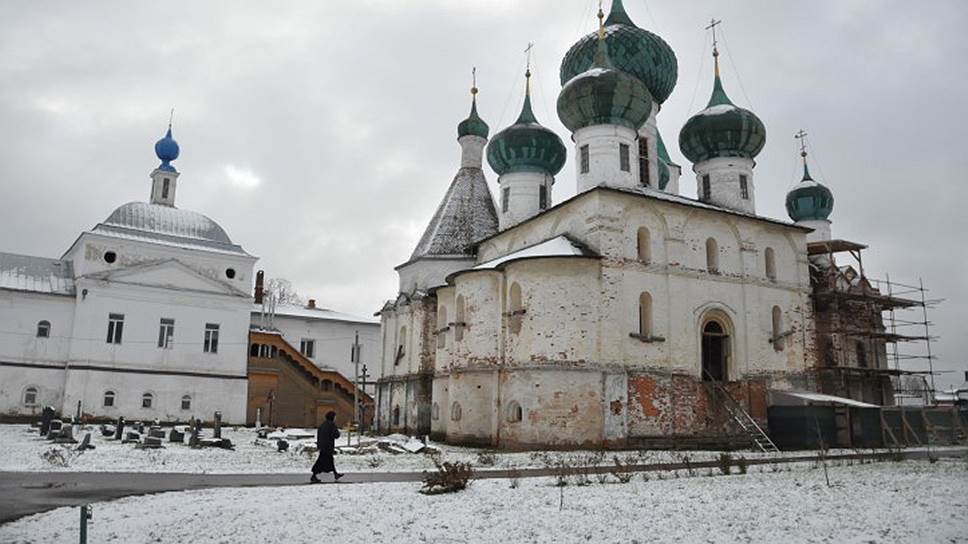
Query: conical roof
{"points": [[464, 216]]}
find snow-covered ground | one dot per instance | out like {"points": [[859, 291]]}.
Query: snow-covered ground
{"points": [[21, 449], [882, 502]]}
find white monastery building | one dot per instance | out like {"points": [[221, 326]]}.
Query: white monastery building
{"points": [[625, 315], [146, 315]]}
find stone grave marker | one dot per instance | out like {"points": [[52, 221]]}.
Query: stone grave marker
{"points": [[119, 429], [217, 432], [85, 443], [176, 436]]}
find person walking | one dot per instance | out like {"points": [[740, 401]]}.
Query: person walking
{"points": [[326, 437]]}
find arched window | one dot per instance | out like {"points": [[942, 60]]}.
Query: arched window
{"points": [[43, 329], [770, 260], [186, 403], [516, 313], [109, 399], [515, 413], [401, 342], [861, 354], [435, 412], [645, 315], [326, 385], [777, 328], [30, 395], [442, 327], [644, 243], [459, 323], [147, 400], [712, 256], [455, 411], [254, 350], [396, 415]]}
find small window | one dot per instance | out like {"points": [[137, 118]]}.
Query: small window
{"points": [[712, 256], [770, 262], [707, 191], [254, 350], [645, 315], [307, 346], [230, 273], [542, 197], [30, 396], [326, 385], [165, 186], [515, 413], [644, 162], [644, 245], [455, 412], [166, 333], [435, 412], [115, 328], [110, 257], [109, 399], [441, 327], [459, 320], [505, 199], [43, 329], [584, 159], [744, 188], [516, 309], [147, 400], [396, 415], [211, 338], [623, 158], [777, 328], [186, 403]]}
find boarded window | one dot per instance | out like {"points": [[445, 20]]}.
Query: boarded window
{"points": [[585, 162], [770, 263], [644, 245], [744, 188], [712, 256], [707, 191], [543, 197], [623, 158], [505, 199]]}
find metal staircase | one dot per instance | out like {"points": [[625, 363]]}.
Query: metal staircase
{"points": [[741, 417]]}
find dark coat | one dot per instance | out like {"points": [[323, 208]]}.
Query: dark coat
{"points": [[326, 436]]}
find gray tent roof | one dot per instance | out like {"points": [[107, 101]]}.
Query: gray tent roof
{"points": [[465, 215]]}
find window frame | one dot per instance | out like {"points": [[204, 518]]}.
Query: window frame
{"points": [[115, 329], [542, 197], [210, 342], [584, 159], [644, 173], [150, 398], [624, 158], [189, 399], [43, 329], [769, 263], [307, 347], [109, 394], [744, 187], [712, 256], [33, 391], [166, 333], [707, 188]]}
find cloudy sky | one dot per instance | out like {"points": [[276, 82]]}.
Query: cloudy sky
{"points": [[321, 135]]}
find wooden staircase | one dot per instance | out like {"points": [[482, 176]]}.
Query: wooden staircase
{"points": [[740, 416]]}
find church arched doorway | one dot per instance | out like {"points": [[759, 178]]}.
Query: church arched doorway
{"points": [[715, 351]]}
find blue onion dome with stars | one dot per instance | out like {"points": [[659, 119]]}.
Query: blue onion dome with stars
{"points": [[473, 125], [809, 199], [722, 129], [633, 50], [604, 95], [167, 150], [526, 146]]}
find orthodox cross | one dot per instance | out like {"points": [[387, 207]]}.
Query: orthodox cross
{"points": [[527, 51], [474, 80], [802, 137], [171, 117], [713, 23]]}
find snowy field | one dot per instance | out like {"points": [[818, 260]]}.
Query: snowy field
{"points": [[21, 449], [881, 502]]}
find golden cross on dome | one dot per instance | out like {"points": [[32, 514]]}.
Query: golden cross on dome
{"points": [[802, 136], [474, 80]]}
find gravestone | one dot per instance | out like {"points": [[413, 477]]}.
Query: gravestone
{"points": [[107, 431], [156, 432], [85, 443], [176, 436], [193, 440], [46, 416], [262, 433], [217, 432], [131, 436], [119, 430], [282, 445], [65, 435], [154, 442]]}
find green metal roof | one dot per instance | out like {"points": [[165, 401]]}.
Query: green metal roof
{"points": [[809, 199], [473, 125], [722, 130], [633, 50], [526, 146]]}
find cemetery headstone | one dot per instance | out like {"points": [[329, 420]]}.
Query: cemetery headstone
{"points": [[85, 443], [46, 416], [217, 432], [176, 436], [65, 435], [119, 431]]}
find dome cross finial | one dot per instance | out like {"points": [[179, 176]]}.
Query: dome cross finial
{"points": [[713, 23], [601, 22], [801, 136]]}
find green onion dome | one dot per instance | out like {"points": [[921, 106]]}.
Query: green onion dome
{"points": [[633, 50], [473, 125], [809, 199], [526, 146], [603, 95], [722, 130]]}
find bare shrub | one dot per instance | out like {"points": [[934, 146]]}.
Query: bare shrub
{"points": [[725, 463], [486, 458], [62, 456], [374, 461], [689, 470], [742, 465], [514, 475], [622, 471], [449, 478]]}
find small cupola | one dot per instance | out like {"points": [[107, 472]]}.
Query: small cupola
{"points": [[809, 200], [164, 177]]}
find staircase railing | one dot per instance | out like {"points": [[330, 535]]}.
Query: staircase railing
{"points": [[739, 415]]}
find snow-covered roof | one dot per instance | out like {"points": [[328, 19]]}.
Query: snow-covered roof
{"points": [[559, 246], [820, 397], [167, 225], [296, 310], [465, 214], [36, 274]]}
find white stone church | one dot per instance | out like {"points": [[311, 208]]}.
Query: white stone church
{"points": [[146, 315], [600, 320]]}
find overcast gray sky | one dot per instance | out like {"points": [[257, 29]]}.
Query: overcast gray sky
{"points": [[321, 135]]}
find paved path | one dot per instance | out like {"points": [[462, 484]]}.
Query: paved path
{"points": [[25, 493]]}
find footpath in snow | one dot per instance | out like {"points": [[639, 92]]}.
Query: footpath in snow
{"points": [[882, 502]]}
